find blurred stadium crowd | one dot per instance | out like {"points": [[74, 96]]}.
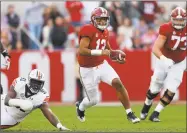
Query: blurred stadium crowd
{"points": [[133, 24]]}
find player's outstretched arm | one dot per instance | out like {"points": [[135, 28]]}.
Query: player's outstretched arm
{"points": [[84, 50], [47, 112], [10, 100]]}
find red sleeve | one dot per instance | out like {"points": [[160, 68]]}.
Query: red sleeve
{"points": [[163, 30], [86, 31]]}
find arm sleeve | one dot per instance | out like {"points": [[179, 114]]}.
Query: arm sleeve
{"points": [[18, 83], [86, 31], [163, 30]]}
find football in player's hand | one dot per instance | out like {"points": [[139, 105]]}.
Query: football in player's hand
{"points": [[117, 55]]}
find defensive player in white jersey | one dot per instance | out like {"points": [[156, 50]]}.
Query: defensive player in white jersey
{"points": [[23, 97], [170, 49]]}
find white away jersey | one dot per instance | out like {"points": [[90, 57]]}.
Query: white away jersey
{"points": [[37, 100]]}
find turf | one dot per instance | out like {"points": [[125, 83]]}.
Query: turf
{"points": [[106, 119]]}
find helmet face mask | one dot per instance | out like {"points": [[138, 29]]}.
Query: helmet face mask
{"points": [[178, 23], [102, 22], [36, 85], [100, 18], [36, 81], [178, 18]]}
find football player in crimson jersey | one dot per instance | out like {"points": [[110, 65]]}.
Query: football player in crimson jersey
{"points": [[94, 45], [170, 50], [24, 97]]}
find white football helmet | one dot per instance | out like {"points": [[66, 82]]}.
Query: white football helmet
{"points": [[178, 18], [36, 80]]}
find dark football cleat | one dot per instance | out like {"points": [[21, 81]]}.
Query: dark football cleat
{"points": [[131, 117], [80, 114], [144, 112], [154, 117]]}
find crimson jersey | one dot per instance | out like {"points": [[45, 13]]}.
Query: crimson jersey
{"points": [[98, 40], [175, 45]]}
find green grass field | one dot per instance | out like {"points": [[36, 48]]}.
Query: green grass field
{"points": [[106, 119]]}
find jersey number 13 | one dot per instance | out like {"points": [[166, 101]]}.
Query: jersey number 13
{"points": [[101, 44]]}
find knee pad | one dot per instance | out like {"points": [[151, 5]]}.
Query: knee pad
{"points": [[150, 95], [172, 84], [167, 97]]}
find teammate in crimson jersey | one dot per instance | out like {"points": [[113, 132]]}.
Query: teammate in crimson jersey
{"points": [[170, 49], [98, 40], [94, 45]]}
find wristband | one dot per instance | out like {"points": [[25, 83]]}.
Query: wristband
{"points": [[96, 52]]}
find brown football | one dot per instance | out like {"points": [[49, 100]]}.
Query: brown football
{"points": [[117, 55]]}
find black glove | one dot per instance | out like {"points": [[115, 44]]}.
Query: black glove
{"points": [[5, 53]]}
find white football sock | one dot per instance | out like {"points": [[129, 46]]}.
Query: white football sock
{"points": [[128, 110], [159, 107], [84, 104], [148, 101]]}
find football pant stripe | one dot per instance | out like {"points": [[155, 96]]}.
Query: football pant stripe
{"points": [[83, 85]]}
